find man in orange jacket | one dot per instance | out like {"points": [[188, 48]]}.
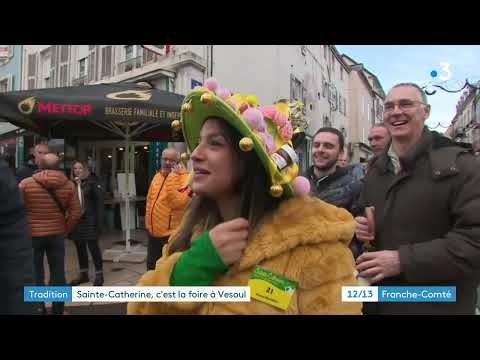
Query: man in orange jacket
{"points": [[165, 204]]}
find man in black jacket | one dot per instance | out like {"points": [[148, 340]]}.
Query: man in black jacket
{"points": [[16, 263], [29, 169], [425, 229]]}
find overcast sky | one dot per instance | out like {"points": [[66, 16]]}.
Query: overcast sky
{"points": [[393, 64]]}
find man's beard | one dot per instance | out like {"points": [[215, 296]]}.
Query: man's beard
{"points": [[327, 166]]}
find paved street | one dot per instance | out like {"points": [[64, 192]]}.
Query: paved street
{"points": [[115, 274]]}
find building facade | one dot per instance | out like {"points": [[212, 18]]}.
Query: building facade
{"points": [[12, 140], [366, 97], [175, 68], [333, 94], [465, 126], [314, 74]]}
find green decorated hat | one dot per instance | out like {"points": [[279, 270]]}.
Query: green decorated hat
{"points": [[267, 130]]}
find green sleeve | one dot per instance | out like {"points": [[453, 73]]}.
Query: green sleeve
{"points": [[201, 265]]}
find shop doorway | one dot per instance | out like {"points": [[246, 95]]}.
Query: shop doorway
{"points": [[106, 159]]}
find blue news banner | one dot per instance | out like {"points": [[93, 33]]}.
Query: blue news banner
{"points": [[136, 293], [231, 294], [399, 294]]}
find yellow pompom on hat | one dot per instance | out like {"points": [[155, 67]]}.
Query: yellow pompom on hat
{"points": [[267, 130]]}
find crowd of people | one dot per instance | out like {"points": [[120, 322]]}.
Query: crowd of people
{"points": [[51, 207], [408, 217], [422, 188]]}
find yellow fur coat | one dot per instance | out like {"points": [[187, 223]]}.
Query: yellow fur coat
{"points": [[305, 240]]}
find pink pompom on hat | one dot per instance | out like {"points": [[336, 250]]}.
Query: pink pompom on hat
{"points": [[287, 131], [212, 84], [223, 93], [301, 185], [269, 111], [280, 119], [254, 118], [266, 130], [268, 141]]}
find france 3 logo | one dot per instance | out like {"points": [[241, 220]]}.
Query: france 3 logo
{"points": [[439, 76], [445, 69], [442, 78]]}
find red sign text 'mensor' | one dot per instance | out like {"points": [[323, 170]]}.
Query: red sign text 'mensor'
{"points": [[73, 109]]}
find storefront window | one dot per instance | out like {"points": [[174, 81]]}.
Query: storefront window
{"points": [[106, 160], [141, 169], [8, 149], [120, 152]]}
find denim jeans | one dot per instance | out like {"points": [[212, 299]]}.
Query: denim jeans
{"points": [[54, 247]]}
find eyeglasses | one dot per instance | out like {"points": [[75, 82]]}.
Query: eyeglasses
{"points": [[403, 105]]}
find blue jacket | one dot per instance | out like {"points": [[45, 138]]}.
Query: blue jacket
{"points": [[340, 189]]}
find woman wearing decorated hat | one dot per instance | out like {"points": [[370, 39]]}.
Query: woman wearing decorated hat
{"points": [[251, 222]]}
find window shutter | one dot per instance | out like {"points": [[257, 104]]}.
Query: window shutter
{"points": [[64, 75], [97, 61], [107, 61], [91, 66], [54, 66], [64, 53], [32, 65], [103, 62], [148, 55]]}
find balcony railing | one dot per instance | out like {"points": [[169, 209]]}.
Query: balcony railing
{"points": [[167, 63], [186, 57], [129, 65], [82, 80]]}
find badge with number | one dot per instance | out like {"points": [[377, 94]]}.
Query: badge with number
{"points": [[271, 288]]}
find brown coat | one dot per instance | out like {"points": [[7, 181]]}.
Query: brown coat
{"points": [[430, 213], [44, 216], [305, 240]]}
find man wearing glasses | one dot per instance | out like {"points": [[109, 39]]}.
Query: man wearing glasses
{"points": [[165, 204], [425, 191]]}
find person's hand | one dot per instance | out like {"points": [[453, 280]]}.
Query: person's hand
{"points": [[230, 239], [362, 229], [378, 265]]}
